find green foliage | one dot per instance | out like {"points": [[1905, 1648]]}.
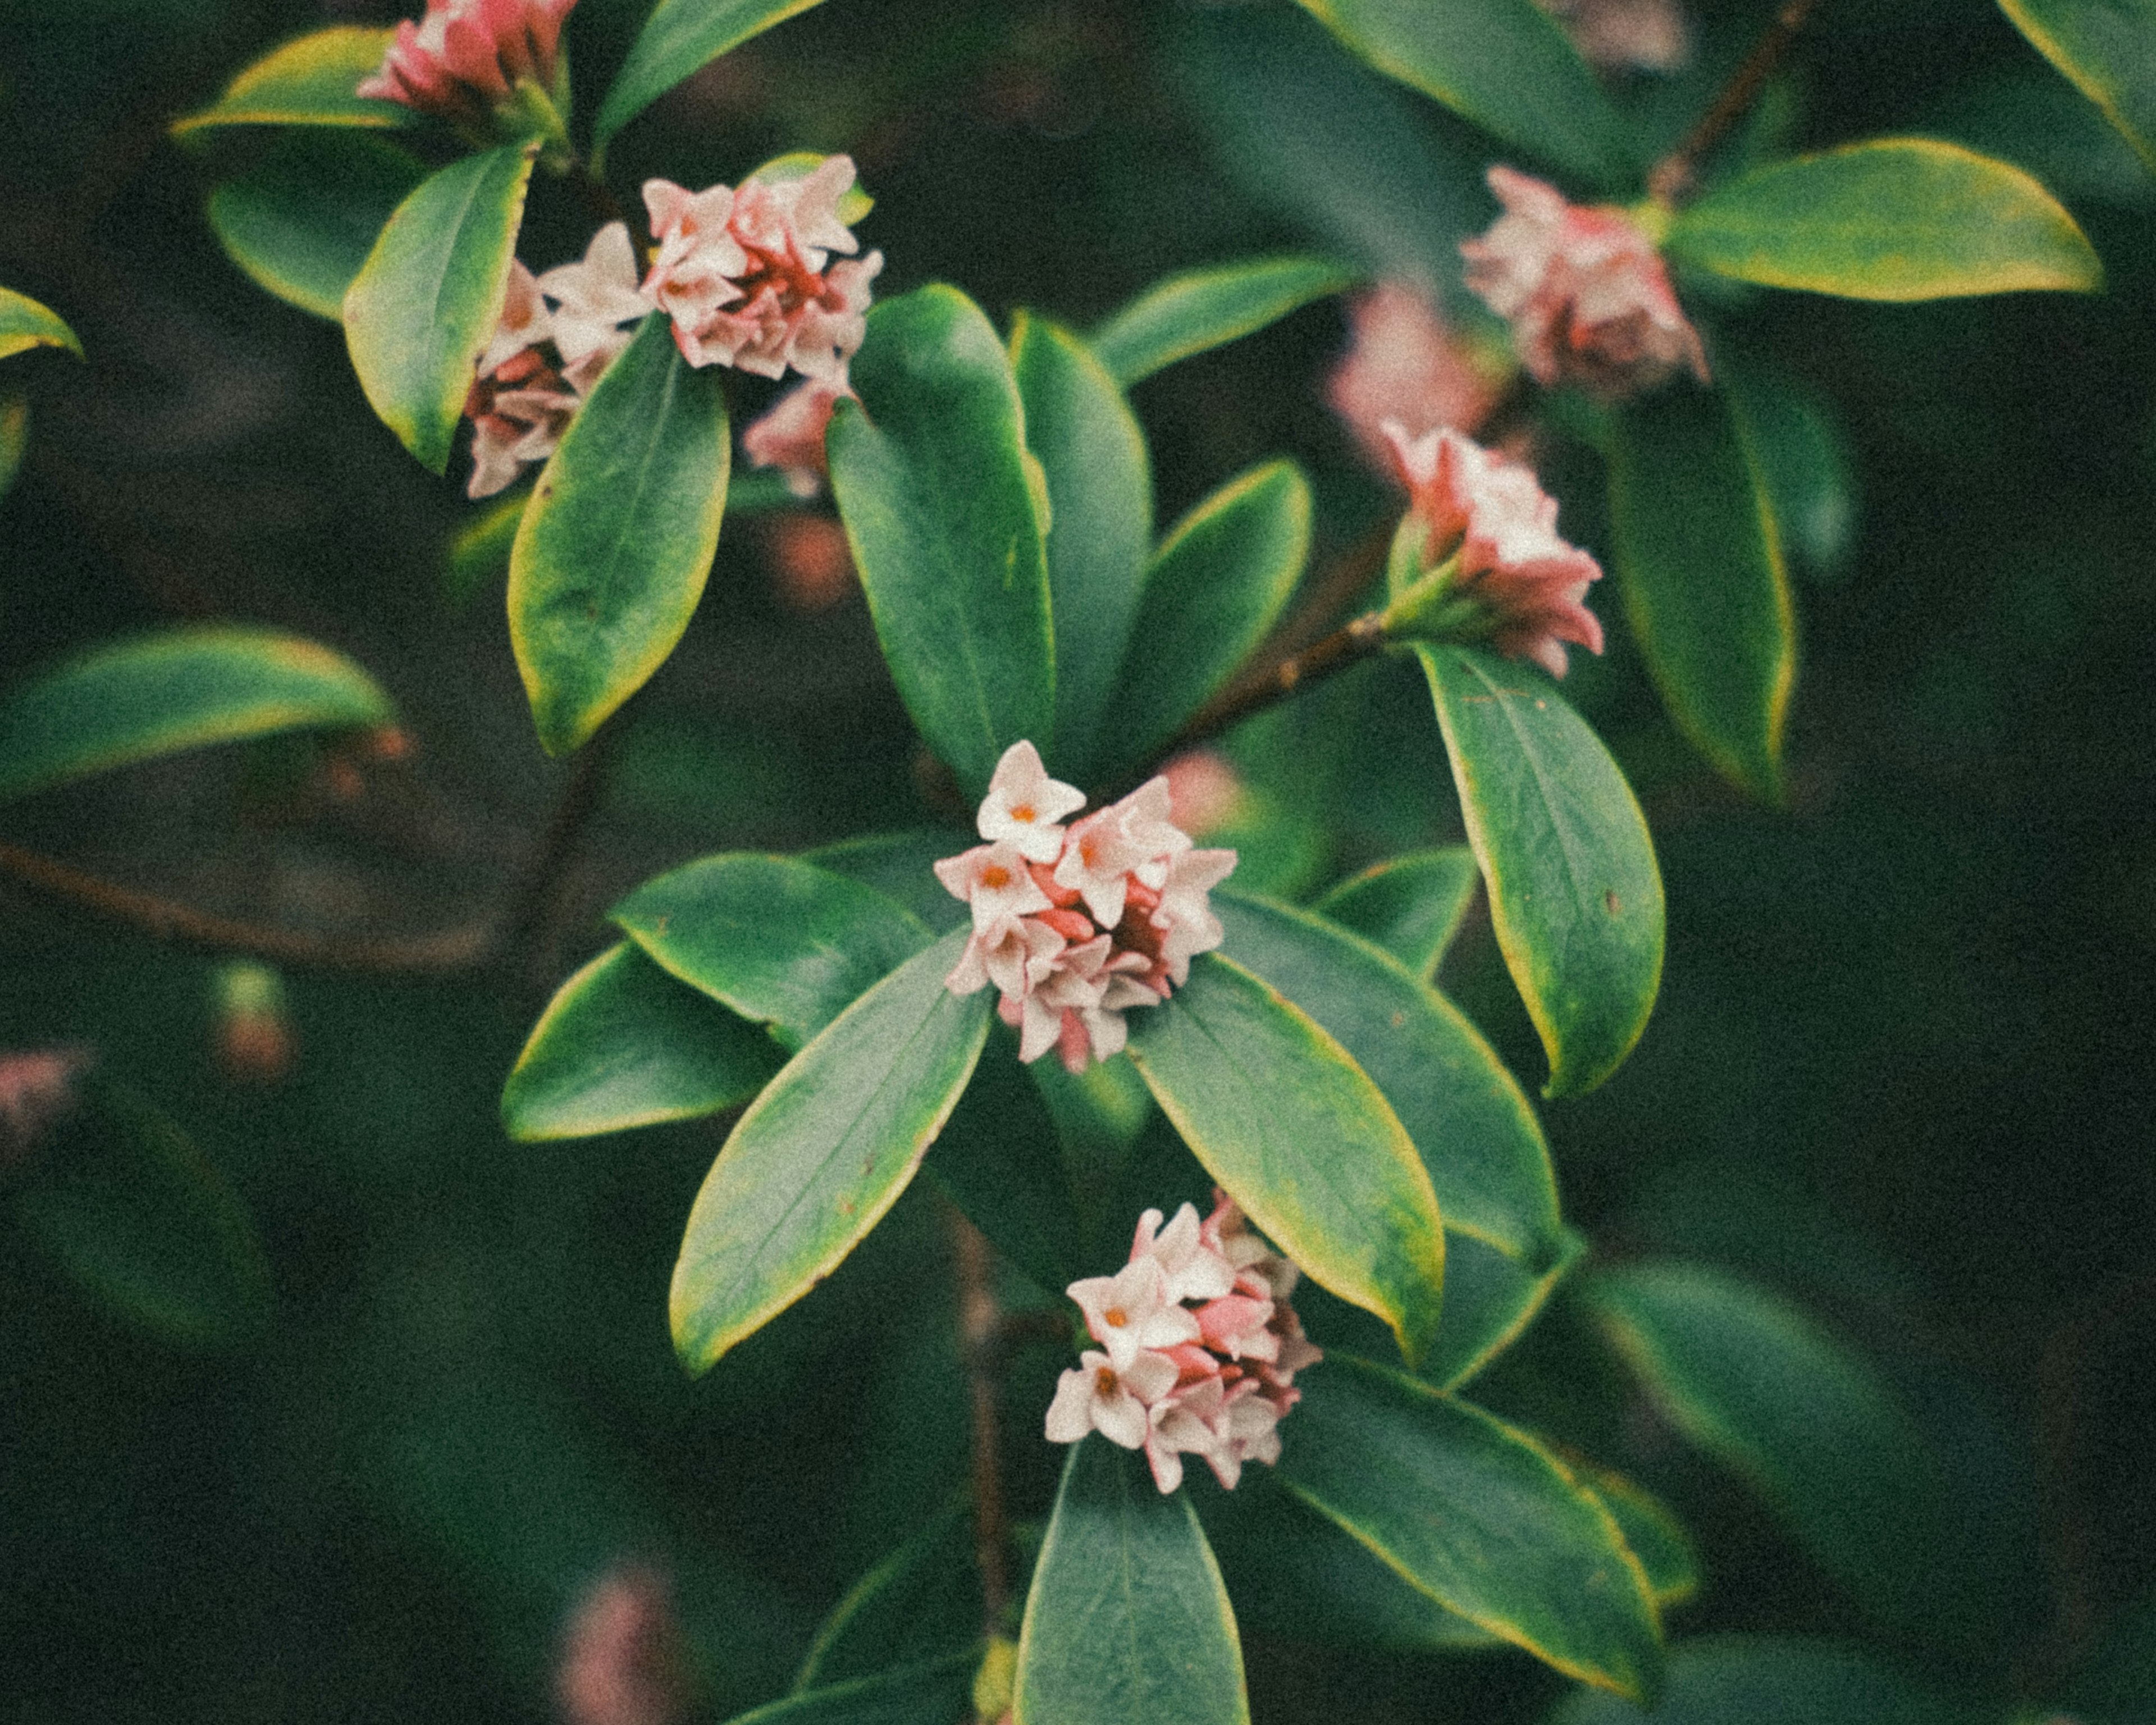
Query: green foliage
{"points": [[302, 220], [1575, 895], [778, 941], [1217, 584], [1655, 1537], [1478, 1516], [1699, 554], [1295, 1132], [1203, 308], [309, 81], [998, 1159], [1505, 64], [479, 552], [24, 324], [1894, 219], [623, 1044], [823, 1152], [2117, 1682], [1127, 1619], [181, 689], [1490, 1298], [425, 304], [679, 37], [1751, 1680], [1798, 449], [610, 557], [946, 511], [1411, 906], [1100, 495], [931, 1693], [2103, 47], [924, 1599]]}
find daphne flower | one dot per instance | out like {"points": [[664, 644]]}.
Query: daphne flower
{"points": [[790, 436], [1129, 841], [994, 880], [1185, 915], [519, 405], [38, 1087], [1586, 293], [1014, 954], [1194, 1268], [1132, 1311], [1023, 805], [1623, 35], [465, 60], [1404, 363], [1115, 1401], [592, 299]]}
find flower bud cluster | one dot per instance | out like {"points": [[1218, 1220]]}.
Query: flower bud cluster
{"points": [[471, 61], [1199, 1348], [1586, 293], [1076, 926]]}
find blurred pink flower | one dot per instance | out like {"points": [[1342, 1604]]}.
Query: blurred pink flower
{"points": [[37, 1090], [1516, 582], [1627, 35], [790, 436], [1586, 293], [622, 1659], [464, 59], [1204, 790], [1404, 364]]}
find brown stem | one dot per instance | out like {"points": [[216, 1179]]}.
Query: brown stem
{"points": [[1672, 176], [980, 1326], [537, 907]]}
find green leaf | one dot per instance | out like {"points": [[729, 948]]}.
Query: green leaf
{"points": [[1099, 493], [1478, 1138], [1477, 1515], [180, 689], [1575, 895], [1127, 1619], [301, 221], [146, 1224], [426, 302], [1217, 584], [1490, 1300], [1895, 218], [1411, 906], [612, 555], [1202, 309], [1295, 1132], [824, 1151], [901, 866], [1699, 554], [934, 1692], [480, 551], [681, 38], [925, 1597], [780, 940], [1797, 447], [25, 324], [946, 513], [623, 1044], [311, 81], [1762, 1679], [2107, 50], [2117, 1682], [1811, 1424], [1505, 64], [1650, 1527], [1000, 1160]]}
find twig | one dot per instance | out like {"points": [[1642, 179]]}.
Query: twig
{"points": [[599, 199], [980, 1324], [536, 907], [1672, 176]]}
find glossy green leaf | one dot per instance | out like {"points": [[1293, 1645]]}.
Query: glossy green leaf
{"points": [[1699, 555], [301, 221], [1505, 64], [1575, 895], [1099, 493], [623, 1044], [479, 553], [1797, 447], [1217, 584], [1000, 1160], [180, 689], [901, 866], [1477, 1136], [1811, 1424], [934, 1692], [1282, 1117], [946, 512], [1650, 1527], [1764, 1680], [778, 940], [24, 324], [611, 556], [1411, 906], [923, 1599], [311, 81], [1202, 309], [427, 300], [1127, 1619], [1477, 1515], [681, 38], [2107, 50], [1490, 1300], [1896, 219], [824, 1151], [146, 1224]]}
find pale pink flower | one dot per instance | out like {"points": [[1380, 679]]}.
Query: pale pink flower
{"points": [[519, 411], [1203, 790], [1115, 1401], [994, 880], [1132, 1311], [592, 299], [464, 59], [693, 270], [1024, 806], [1524, 583], [1014, 954], [789, 436], [1128, 841], [1624, 35], [1185, 915], [1587, 294], [524, 321], [1193, 1268], [622, 1662], [1404, 364], [1184, 1423]]}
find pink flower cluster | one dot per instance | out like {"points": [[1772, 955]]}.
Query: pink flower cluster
{"points": [[1199, 1348], [1076, 926], [1405, 363], [1587, 294], [1524, 584], [465, 58]]}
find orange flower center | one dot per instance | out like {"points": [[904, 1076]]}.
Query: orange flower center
{"points": [[995, 877]]}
